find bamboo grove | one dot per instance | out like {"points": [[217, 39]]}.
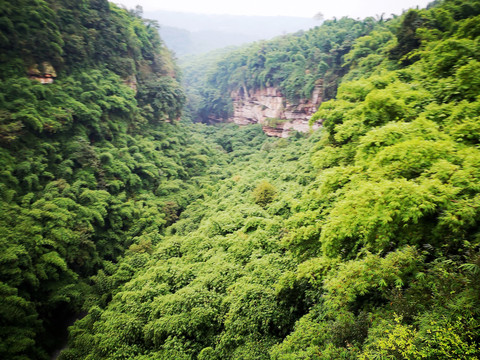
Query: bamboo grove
{"points": [[173, 239]]}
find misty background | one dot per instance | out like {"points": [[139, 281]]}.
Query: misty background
{"points": [[190, 33]]}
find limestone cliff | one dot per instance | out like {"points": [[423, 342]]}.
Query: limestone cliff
{"points": [[270, 108]]}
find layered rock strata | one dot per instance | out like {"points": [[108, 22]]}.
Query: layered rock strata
{"points": [[273, 111]]}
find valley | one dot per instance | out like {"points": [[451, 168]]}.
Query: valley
{"points": [[311, 196]]}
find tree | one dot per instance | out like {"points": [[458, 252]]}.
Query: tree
{"points": [[264, 193]]}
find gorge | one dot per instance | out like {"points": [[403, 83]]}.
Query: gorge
{"points": [[313, 196]]}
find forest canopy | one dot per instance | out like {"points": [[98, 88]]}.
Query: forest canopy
{"points": [[180, 240]]}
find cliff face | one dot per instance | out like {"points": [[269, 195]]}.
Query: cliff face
{"points": [[270, 108]]}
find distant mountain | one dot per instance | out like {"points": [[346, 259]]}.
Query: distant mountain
{"points": [[189, 33], [184, 42]]}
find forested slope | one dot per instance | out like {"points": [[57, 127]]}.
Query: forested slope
{"points": [[293, 63], [180, 241], [89, 165]]}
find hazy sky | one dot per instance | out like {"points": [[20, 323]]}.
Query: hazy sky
{"points": [[305, 8]]}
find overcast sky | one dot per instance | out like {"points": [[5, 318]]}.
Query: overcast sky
{"points": [[304, 8]]}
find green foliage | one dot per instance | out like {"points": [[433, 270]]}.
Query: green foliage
{"points": [[440, 339], [264, 193], [392, 157], [162, 99], [79, 162], [407, 38], [184, 241], [295, 64], [209, 289]]}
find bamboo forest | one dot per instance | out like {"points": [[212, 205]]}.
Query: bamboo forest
{"points": [[152, 208]]}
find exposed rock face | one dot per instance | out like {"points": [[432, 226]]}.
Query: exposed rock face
{"points": [[131, 82], [45, 74], [270, 108]]}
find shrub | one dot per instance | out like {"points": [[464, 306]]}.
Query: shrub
{"points": [[264, 193]]}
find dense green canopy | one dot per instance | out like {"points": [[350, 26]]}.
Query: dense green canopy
{"points": [[188, 241]]}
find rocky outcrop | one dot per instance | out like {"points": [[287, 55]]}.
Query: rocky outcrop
{"points": [[44, 74], [131, 82], [273, 111]]}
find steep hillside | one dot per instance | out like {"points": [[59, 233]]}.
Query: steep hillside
{"points": [[89, 163]]}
